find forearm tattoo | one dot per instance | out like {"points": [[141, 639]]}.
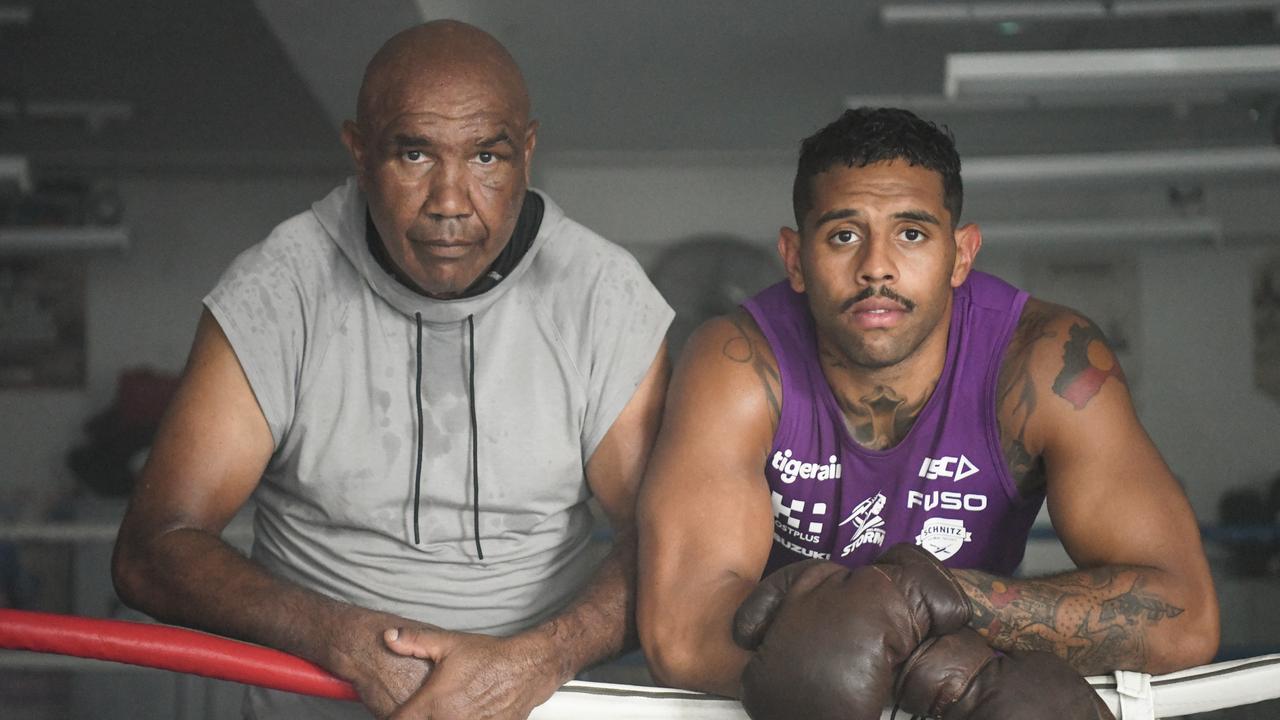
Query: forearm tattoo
{"points": [[1097, 620], [1087, 362], [742, 349]]}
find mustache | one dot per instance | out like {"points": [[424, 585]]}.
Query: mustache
{"points": [[450, 229], [883, 291]]}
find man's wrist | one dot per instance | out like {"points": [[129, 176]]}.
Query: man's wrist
{"points": [[341, 632], [553, 649]]}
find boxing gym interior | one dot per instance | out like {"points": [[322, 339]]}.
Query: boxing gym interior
{"points": [[1122, 157]]}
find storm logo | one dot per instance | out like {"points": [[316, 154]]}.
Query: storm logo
{"points": [[868, 526]]}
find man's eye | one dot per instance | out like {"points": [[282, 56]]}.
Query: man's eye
{"points": [[912, 235], [486, 158], [844, 237], [414, 156]]}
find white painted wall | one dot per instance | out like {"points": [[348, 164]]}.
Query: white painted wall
{"points": [[142, 307], [1196, 396]]}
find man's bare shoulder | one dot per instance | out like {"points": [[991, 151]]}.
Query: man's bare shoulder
{"points": [[1064, 348], [730, 358], [1057, 362]]}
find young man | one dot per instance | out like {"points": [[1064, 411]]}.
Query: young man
{"points": [[884, 394], [420, 381]]}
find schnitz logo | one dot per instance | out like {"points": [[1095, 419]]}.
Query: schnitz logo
{"points": [[943, 537]]}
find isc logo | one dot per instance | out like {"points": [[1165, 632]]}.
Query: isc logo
{"points": [[952, 467]]}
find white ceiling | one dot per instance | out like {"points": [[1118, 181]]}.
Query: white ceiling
{"points": [[263, 84], [724, 75]]}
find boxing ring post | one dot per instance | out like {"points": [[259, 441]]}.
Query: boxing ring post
{"points": [[1131, 696]]}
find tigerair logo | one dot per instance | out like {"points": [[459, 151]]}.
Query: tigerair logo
{"points": [[790, 468], [956, 468]]}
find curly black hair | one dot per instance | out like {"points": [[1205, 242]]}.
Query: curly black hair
{"points": [[865, 136]]}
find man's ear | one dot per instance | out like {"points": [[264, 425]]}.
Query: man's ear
{"points": [[968, 242], [353, 139], [530, 143], [789, 250]]}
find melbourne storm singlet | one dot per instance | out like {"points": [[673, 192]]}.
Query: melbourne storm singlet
{"points": [[944, 487]]}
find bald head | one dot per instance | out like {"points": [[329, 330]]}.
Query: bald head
{"points": [[442, 146], [436, 56]]}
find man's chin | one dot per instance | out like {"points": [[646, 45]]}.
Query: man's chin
{"points": [[448, 287]]}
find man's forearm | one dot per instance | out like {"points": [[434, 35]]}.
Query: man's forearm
{"points": [[600, 623], [1099, 620], [193, 578]]}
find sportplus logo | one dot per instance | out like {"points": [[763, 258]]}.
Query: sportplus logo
{"points": [[793, 516], [791, 468], [956, 468]]}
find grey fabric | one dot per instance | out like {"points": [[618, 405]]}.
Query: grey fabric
{"points": [[327, 340]]}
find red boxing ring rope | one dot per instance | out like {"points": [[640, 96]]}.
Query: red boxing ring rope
{"points": [[168, 648], [1131, 696]]}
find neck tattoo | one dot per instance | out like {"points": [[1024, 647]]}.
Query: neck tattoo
{"points": [[882, 417]]}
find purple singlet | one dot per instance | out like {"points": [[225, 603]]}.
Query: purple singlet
{"points": [[944, 487]]}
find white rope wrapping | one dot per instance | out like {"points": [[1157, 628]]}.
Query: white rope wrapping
{"points": [[1131, 696]]}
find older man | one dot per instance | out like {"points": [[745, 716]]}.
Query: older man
{"points": [[412, 380]]}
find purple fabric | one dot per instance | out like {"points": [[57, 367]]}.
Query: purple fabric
{"points": [[944, 487]]}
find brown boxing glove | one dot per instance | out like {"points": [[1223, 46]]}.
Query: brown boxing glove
{"points": [[959, 676], [828, 641]]}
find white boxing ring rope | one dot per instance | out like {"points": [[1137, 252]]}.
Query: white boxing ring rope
{"points": [[1131, 696]]}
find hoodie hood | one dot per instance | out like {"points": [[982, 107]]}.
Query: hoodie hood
{"points": [[342, 214]]}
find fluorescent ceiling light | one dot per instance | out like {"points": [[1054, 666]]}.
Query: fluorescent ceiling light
{"points": [[1177, 230], [15, 239], [14, 171], [1166, 72], [936, 13], [1232, 163], [15, 15], [1163, 8], [95, 113], [1006, 103]]}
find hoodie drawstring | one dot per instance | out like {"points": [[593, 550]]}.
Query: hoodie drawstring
{"points": [[475, 435], [417, 472]]}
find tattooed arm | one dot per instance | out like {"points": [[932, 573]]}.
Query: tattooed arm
{"points": [[705, 518], [1142, 598]]}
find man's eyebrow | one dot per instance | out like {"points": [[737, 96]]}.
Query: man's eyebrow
{"points": [[410, 140], [841, 214], [920, 216], [499, 139]]}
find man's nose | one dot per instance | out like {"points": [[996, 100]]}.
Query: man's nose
{"points": [[447, 195], [876, 263]]}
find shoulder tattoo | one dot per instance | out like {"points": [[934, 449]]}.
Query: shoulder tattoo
{"points": [[1087, 363], [741, 347], [1016, 398]]}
